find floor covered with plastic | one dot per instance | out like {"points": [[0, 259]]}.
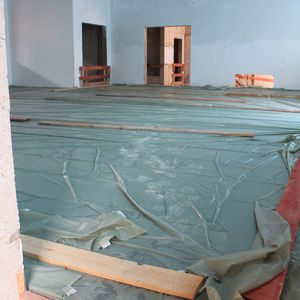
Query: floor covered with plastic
{"points": [[203, 203]]}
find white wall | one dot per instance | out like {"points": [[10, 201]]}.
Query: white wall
{"points": [[95, 12], [9, 77], [41, 42], [227, 37], [10, 243]]}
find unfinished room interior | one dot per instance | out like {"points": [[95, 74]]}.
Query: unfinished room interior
{"points": [[149, 149]]}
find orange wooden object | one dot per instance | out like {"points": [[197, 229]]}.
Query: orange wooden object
{"points": [[94, 79], [253, 80], [179, 73]]}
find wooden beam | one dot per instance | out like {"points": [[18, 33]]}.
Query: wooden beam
{"points": [[143, 276], [19, 118], [260, 95], [21, 283], [144, 128], [172, 97], [289, 209]]}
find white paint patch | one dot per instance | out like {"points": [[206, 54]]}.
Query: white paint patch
{"points": [[169, 55]]}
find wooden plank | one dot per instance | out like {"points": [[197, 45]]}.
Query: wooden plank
{"points": [[95, 68], [143, 276], [143, 128], [172, 98], [86, 78], [289, 208], [259, 95], [19, 118], [93, 77], [77, 88], [21, 282]]}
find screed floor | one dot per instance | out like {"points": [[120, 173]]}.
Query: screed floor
{"points": [[202, 185]]}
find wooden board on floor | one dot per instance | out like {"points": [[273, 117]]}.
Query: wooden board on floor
{"points": [[261, 95], [17, 118], [143, 276], [144, 128]]}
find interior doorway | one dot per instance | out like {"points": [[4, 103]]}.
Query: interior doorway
{"points": [[94, 48], [167, 55], [154, 58]]}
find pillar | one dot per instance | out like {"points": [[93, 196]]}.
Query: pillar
{"points": [[11, 267]]}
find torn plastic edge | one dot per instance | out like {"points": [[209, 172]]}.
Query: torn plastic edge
{"points": [[69, 291], [289, 209]]}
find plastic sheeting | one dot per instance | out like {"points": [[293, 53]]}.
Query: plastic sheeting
{"points": [[206, 202], [48, 280], [89, 234], [233, 274]]}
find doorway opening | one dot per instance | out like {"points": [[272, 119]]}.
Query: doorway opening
{"points": [[167, 55], [178, 58], [94, 55], [94, 45], [154, 66]]}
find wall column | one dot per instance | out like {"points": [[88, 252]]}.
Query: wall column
{"points": [[11, 267]]}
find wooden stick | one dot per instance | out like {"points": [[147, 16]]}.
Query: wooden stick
{"points": [[256, 95], [143, 128], [21, 282], [18, 118], [78, 88], [144, 276], [174, 98]]}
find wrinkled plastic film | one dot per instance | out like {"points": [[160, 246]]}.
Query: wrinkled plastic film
{"points": [[198, 202]]}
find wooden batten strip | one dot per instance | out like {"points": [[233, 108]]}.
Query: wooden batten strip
{"points": [[259, 95], [21, 283], [17, 118], [143, 276], [143, 128]]}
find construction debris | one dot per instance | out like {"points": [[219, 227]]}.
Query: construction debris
{"points": [[254, 80]]}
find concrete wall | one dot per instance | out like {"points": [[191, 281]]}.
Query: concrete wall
{"points": [[227, 37], [7, 37], [41, 42], [95, 12], [10, 244]]}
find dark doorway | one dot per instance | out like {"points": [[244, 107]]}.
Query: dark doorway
{"points": [[167, 55], [154, 64], [177, 57], [177, 51], [94, 45]]}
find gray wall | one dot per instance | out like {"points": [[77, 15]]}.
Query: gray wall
{"points": [[228, 37], [40, 42], [95, 12]]}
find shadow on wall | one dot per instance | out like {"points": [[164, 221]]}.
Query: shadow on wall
{"points": [[25, 76]]}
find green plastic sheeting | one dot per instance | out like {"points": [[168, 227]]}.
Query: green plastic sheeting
{"points": [[82, 233], [200, 203], [230, 275], [48, 280]]}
